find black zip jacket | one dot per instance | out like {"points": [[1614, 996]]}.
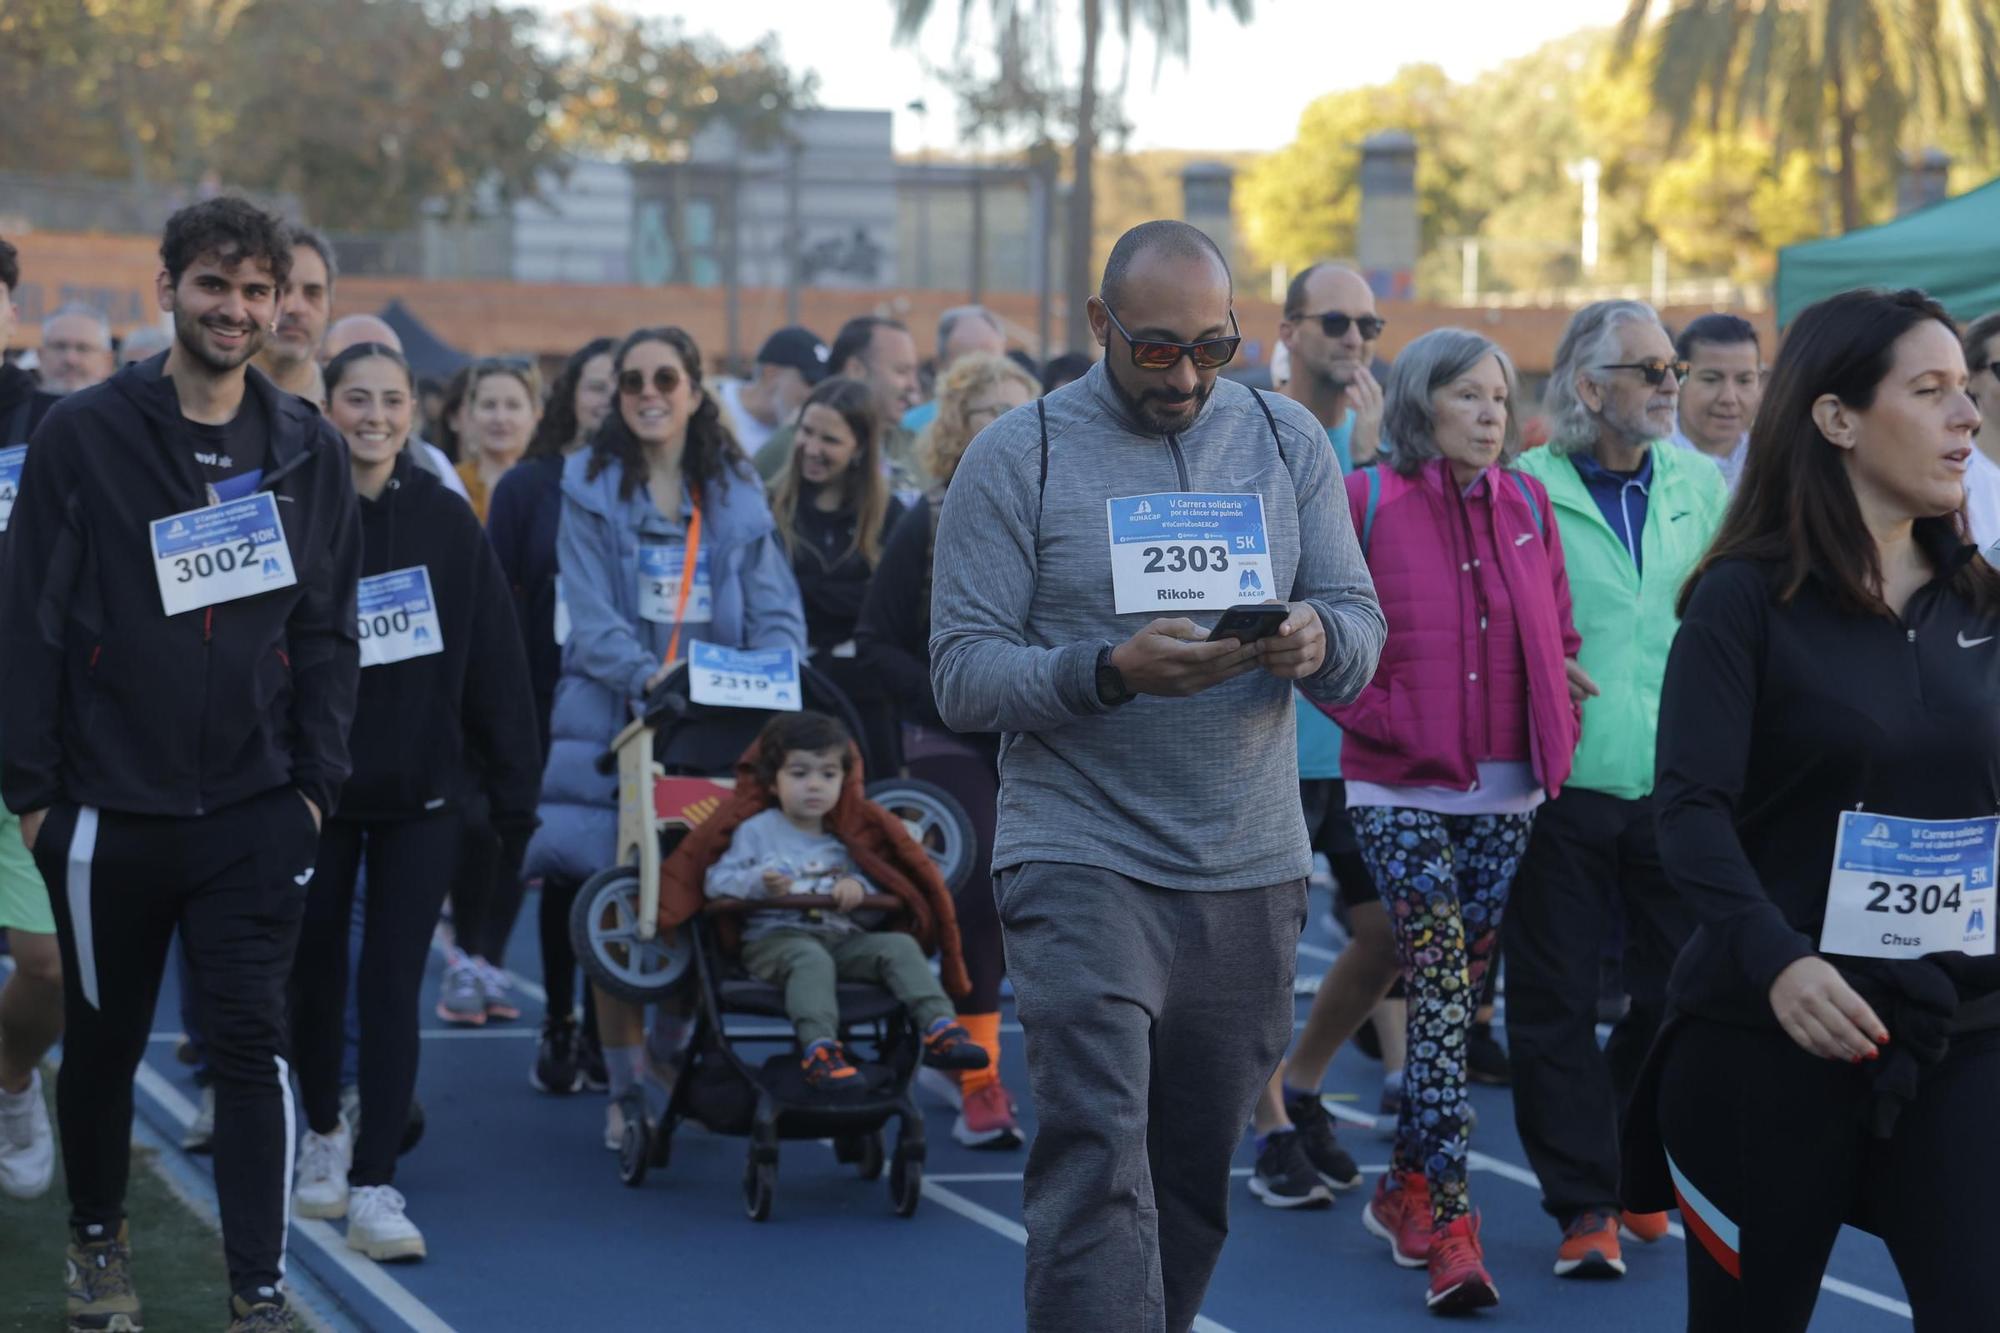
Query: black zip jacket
{"points": [[22, 405], [1776, 718], [107, 701], [832, 579], [430, 731], [894, 632], [521, 522]]}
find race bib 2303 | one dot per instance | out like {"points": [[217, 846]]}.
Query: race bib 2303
{"points": [[1184, 551]]}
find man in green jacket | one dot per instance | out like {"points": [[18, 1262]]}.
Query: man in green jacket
{"points": [[1634, 519]]}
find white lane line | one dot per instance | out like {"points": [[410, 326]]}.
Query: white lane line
{"points": [[1520, 1175], [1014, 1231], [1325, 955], [398, 1299]]}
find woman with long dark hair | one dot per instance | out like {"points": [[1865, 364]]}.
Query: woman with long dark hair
{"points": [[522, 523], [439, 724], [833, 509], [662, 484], [1829, 773]]}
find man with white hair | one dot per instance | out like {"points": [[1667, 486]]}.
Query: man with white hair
{"points": [[143, 344], [76, 349], [1634, 520], [962, 330], [353, 330]]}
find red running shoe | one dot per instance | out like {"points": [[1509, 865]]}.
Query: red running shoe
{"points": [[987, 1120], [1646, 1228], [1400, 1213], [1459, 1280]]}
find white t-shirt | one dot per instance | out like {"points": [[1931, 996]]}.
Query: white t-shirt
{"points": [[750, 432], [1731, 465], [1982, 500]]}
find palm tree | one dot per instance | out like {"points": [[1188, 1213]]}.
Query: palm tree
{"points": [[1858, 71], [1166, 20]]}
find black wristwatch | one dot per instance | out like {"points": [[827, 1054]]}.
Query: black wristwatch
{"points": [[1110, 681]]}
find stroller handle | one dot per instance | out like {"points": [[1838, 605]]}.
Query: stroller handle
{"points": [[800, 902]]}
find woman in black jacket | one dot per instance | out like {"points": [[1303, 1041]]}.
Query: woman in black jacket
{"points": [[1828, 777], [894, 635], [522, 523], [833, 509], [443, 696]]}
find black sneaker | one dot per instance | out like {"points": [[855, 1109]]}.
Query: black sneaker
{"points": [[1333, 1163], [1284, 1178], [556, 1069], [590, 1059], [1485, 1058]]}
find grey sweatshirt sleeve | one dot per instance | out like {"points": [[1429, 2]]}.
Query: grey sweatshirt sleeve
{"points": [[1332, 576], [986, 675], [740, 872]]}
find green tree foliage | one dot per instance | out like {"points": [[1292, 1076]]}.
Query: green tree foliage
{"points": [[1494, 166], [365, 110], [1860, 79]]}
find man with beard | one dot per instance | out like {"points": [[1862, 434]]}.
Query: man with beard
{"points": [[178, 663], [1634, 517], [1329, 331], [76, 349], [290, 356], [1150, 920]]}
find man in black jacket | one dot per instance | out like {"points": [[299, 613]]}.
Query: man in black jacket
{"points": [[178, 666]]}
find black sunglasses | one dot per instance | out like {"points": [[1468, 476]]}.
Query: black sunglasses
{"points": [[1159, 354], [1335, 323], [632, 383], [1652, 371]]}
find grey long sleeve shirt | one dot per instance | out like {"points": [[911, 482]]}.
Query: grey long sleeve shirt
{"points": [[1192, 793]]}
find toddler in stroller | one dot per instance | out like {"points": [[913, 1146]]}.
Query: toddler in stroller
{"points": [[802, 826]]}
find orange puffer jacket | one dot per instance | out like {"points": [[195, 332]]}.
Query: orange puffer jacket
{"points": [[883, 851]]}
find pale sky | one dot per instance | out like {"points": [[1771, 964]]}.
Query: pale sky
{"points": [[1265, 72]]}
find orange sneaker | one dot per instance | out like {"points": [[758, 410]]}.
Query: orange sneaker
{"points": [[827, 1070], [1646, 1228], [1590, 1247], [1459, 1280], [1400, 1213]]}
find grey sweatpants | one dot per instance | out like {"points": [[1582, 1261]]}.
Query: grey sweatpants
{"points": [[1152, 1018]]}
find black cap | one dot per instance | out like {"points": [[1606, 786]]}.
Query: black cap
{"points": [[799, 348]]}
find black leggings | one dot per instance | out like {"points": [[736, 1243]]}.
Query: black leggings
{"points": [[1772, 1143], [409, 864], [558, 958], [967, 772], [485, 893]]}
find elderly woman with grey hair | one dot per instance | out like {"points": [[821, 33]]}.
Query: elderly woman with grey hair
{"points": [[1468, 726]]}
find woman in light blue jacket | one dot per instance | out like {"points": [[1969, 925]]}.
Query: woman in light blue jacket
{"points": [[662, 475]]}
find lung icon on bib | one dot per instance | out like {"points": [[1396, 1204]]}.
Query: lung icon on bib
{"points": [[1250, 582]]}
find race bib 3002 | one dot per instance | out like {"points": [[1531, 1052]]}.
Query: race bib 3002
{"points": [[398, 616], [221, 553], [1183, 551], [1903, 888]]}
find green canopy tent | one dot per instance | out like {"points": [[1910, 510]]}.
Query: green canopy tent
{"points": [[1950, 249]]}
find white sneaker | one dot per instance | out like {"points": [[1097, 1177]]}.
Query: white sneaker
{"points": [[27, 1146], [200, 1135], [323, 1162], [377, 1227]]}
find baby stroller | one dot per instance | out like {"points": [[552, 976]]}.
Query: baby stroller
{"points": [[673, 765]]}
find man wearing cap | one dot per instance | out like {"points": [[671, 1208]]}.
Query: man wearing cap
{"points": [[790, 362]]}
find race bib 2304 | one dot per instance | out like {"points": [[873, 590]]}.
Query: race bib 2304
{"points": [[1903, 888]]}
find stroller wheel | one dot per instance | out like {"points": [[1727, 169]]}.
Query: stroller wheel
{"points": [[604, 931], [869, 1163], [760, 1182], [906, 1182], [635, 1149], [937, 822]]}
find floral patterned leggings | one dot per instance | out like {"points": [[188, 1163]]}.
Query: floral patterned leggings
{"points": [[1444, 881]]}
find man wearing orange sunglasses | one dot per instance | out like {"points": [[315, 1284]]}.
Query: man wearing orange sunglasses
{"points": [[1150, 859]]}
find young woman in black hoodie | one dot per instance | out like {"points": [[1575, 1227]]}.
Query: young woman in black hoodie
{"points": [[833, 510], [1834, 1054], [444, 707]]}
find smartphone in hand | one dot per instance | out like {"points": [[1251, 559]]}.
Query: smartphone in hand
{"points": [[1248, 622]]}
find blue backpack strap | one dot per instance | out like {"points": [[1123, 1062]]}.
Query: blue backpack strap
{"points": [[1533, 508], [1368, 514]]}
